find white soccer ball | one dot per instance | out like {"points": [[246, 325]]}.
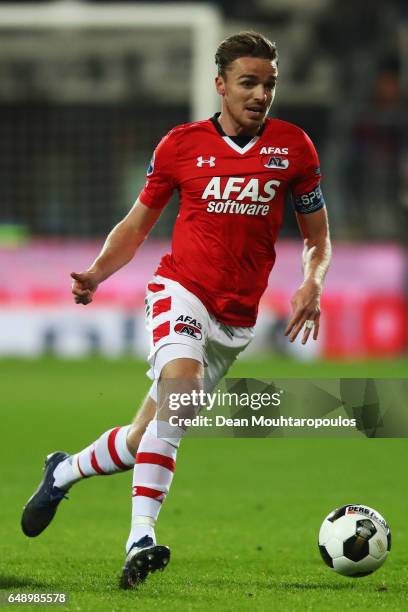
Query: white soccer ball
{"points": [[354, 540]]}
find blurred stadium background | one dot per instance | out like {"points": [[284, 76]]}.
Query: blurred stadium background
{"points": [[88, 89]]}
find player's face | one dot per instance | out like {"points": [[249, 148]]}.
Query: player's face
{"points": [[247, 91]]}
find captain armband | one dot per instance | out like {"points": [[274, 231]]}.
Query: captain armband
{"points": [[309, 202]]}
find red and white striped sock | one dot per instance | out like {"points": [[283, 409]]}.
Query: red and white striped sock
{"points": [[152, 477], [108, 455]]}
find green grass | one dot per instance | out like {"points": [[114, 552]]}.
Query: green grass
{"points": [[242, 517]]}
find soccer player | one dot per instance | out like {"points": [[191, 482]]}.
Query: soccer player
{"points": [[232, 172]]}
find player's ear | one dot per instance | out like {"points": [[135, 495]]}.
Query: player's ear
{"points": [[220, 85]]}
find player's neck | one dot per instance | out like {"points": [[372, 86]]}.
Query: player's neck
{"points": [[231, 128]]}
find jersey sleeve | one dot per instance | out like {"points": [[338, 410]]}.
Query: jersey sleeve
{"points": [[306, 191], [160, 176]]}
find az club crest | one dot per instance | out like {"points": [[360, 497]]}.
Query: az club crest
{"points": [[187, 326], [280, 163]]}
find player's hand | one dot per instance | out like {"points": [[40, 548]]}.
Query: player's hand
{"points": [[84, 285], [306, 307]]}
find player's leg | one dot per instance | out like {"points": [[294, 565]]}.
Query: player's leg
{"points": [[224, 345], [143, 417], [113, 452], [180, 369], [177, 321], [182, 366], [156, 456], [155, 465]]}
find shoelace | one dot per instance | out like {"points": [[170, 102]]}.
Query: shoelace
{"points": [[58, 496]]}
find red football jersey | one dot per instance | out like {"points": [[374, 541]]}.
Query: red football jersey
{"points": [[231, 205]]}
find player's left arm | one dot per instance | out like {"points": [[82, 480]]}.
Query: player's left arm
{"points": [[316, 257]]}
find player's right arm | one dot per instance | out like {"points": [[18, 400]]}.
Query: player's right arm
{"points": [[119, 248]]}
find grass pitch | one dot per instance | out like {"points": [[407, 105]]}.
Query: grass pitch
{"points": [[242, 517]]}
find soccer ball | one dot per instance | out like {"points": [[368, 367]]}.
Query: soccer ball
{"points": [[354, 540]]}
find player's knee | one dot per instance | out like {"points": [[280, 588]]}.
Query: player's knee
{"points": [[140, 423], [135, 434]]}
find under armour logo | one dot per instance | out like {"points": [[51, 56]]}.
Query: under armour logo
{"points": [[201, 161]]}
